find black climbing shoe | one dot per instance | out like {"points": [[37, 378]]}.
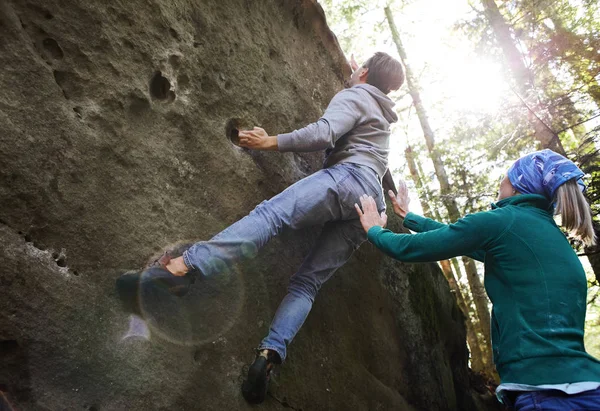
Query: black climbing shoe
{"points": [[131, 286], [155, 277], [254, 388]]}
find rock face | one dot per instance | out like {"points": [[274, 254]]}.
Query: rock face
{"points": [[116, 128]]}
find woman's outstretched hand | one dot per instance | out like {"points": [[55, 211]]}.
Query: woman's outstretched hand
{"points": [[369, 216], [353, 63], [401, 200]]}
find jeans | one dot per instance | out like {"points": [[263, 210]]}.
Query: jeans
{"points": [[554, 400], [325, 198]]}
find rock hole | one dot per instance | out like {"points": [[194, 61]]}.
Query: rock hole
{"points": [[60, 77], [55, 255], [160, 87], [61, 262], [8, 346], [174, 34], [175, 61], [208, 84], [77, 111], [197, 44], [76, 273], [53, 49], [232, 131], [40, 10], [27, 238]]}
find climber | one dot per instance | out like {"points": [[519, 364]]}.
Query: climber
{"points": [[533, 277], [354, 131]]}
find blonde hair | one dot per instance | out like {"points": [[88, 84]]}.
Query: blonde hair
{"points": [[575, 213]]}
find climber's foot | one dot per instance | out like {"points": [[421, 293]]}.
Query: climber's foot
{"points": [[129, 286], [157, 275], [254, 388]]}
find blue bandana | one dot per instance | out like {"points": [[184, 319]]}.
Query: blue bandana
{"points": [[542, 172]]}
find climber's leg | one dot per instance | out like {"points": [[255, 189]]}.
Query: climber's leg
{"points": [[327, 195], [333, 248]]}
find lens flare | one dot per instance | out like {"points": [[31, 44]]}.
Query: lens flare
{"points": [[137, 328], [210, 308]]}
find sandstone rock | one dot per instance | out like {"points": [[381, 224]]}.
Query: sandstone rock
{"points": [[116, 128]]}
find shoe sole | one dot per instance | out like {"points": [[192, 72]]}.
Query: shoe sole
{"points": [[128, 286], [254, 389]]}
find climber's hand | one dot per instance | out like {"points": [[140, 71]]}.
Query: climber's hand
{"points": [[257, 139], [369, 216]]}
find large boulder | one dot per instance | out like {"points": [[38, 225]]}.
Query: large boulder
{"points": [[116, 128]]}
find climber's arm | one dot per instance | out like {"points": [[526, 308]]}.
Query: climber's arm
{"points": [[341, 116], [258, 139]]}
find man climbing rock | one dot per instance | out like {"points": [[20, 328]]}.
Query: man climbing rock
{"points": [[354, 131]]}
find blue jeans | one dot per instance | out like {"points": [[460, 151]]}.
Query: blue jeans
{"points": [[553, 400], [325, 198]]}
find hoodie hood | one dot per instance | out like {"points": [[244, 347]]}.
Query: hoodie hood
{"points": [[386, 103]]}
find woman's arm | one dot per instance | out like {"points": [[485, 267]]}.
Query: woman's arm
{"points": [[422, 224], [464, 237], [471, 233], [415, 222]]}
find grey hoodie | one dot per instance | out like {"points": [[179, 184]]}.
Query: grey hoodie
{"points": [[355, 128]]}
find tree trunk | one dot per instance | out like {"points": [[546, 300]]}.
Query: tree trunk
{"points": [[522, 75], [583, 58], [413, 90], [593, 254], [479, 297], [416, 177], [456, 266], [477, 357], [481, 302], [481, 306]]}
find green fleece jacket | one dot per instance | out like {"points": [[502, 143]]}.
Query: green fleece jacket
{"points": [[533, 278]]}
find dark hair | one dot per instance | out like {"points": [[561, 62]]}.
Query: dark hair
{"points": [[385, 72]]}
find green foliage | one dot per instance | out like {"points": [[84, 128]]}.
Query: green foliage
{"points": [[348, 19]]}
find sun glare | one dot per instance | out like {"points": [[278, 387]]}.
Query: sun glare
{"points": [[475, 85]]}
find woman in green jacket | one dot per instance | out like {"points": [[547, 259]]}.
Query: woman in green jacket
{"points": [[533, 277]]}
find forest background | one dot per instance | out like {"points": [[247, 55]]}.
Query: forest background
{"points": [[487, 81]]}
